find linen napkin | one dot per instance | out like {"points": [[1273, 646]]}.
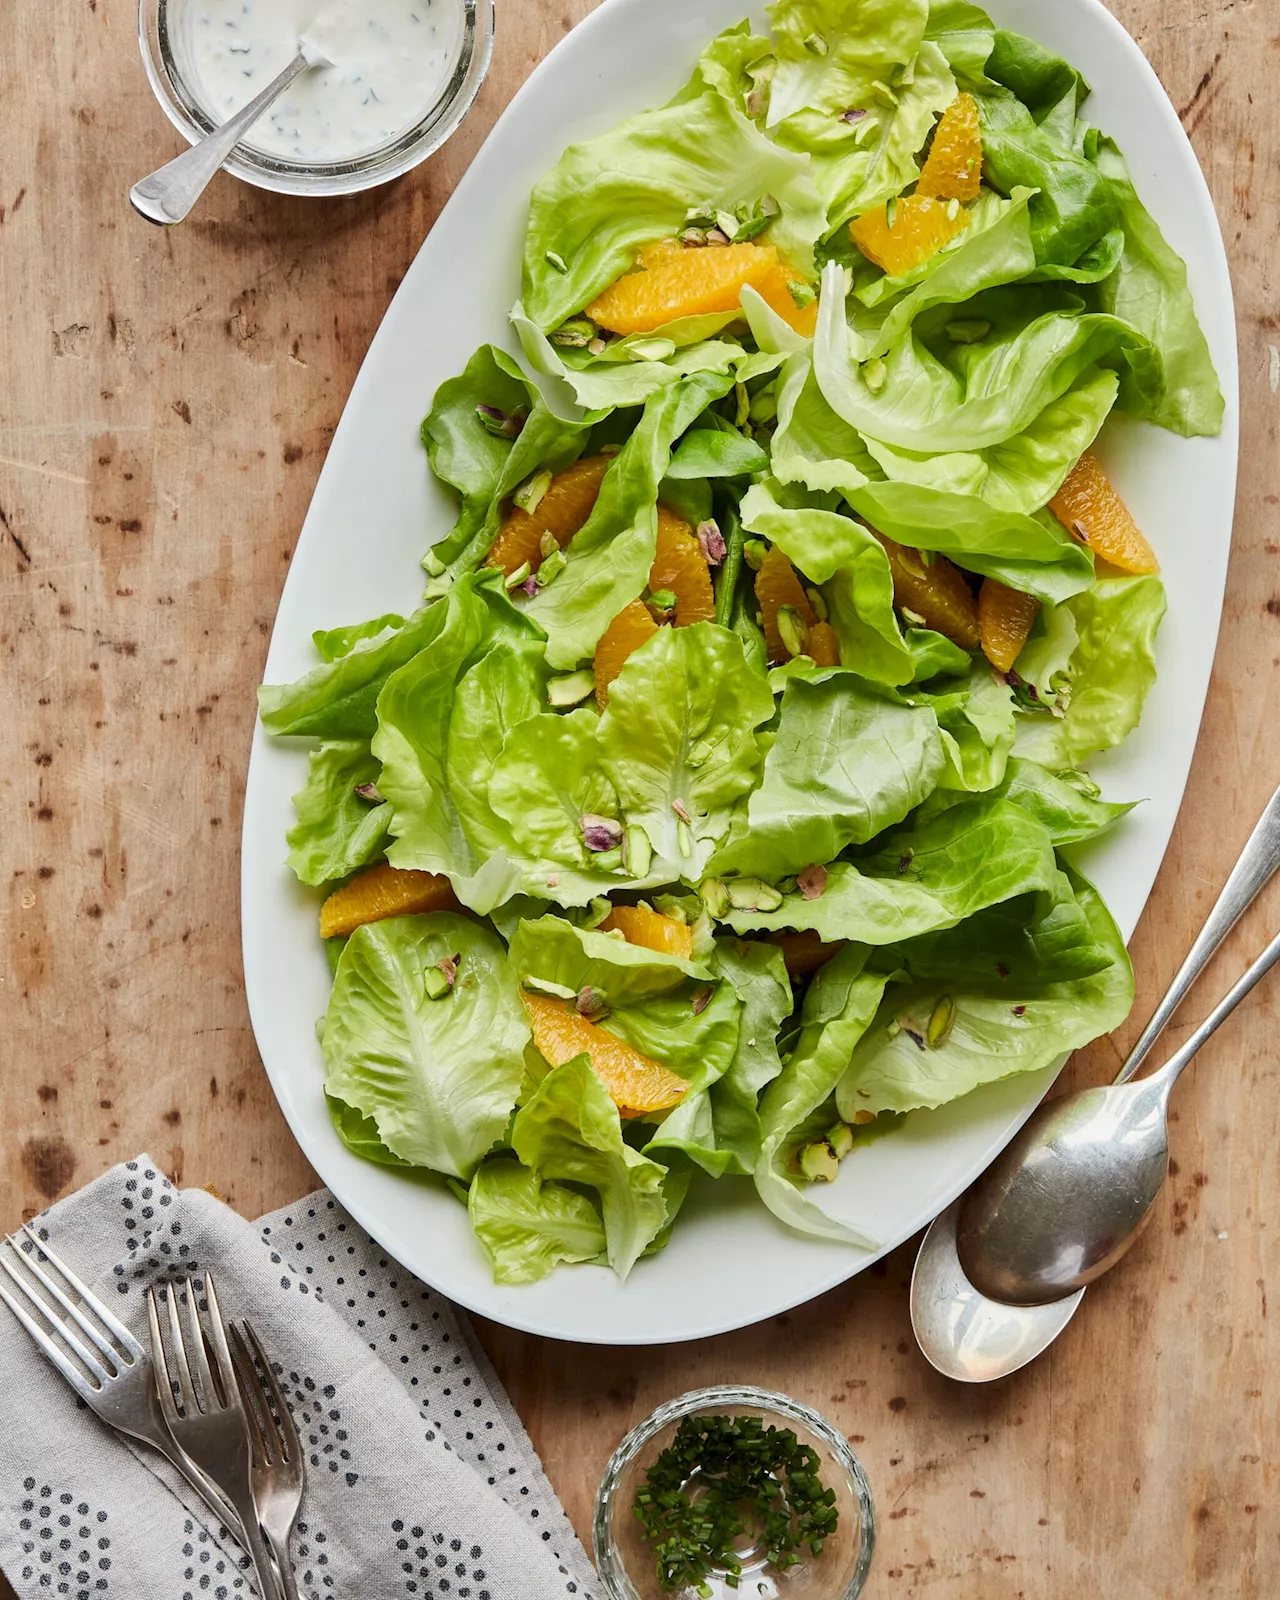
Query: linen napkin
{"points": [[421, 1481]]}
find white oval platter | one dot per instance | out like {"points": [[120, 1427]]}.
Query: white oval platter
{"points": [[375, 509]]}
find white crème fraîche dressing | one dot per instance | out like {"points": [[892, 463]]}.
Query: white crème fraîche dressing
{"points": [[389, 62]]}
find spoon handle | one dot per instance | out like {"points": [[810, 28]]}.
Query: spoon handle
{"points": [[168, 194], [1179, 1061], [1258, 861]]}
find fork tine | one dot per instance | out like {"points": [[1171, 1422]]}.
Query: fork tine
{"points": [[283, 1415], [179, 1362], [114, 1356], [211, 1398], [67, 1368], [103, 1312], [218, 1330], [160, 1363], [254, 1400], [91, 1362]]}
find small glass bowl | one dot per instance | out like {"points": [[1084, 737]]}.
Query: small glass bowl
{"points": [[625, 1557], [167, 59]]}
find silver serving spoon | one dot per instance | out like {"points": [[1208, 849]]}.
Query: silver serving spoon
{"points": [[1025, 1233], [168, 194]]}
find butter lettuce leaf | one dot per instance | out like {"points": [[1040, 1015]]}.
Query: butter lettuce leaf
{"points": [[336, 832], [1110, 673], [758, 976], [438, 1078], [569, 1130], [609, 195], [610, 555], [528, 1226], [678, 735], [848, 762], [838, 1006], [923, 879], [998, 1029]]}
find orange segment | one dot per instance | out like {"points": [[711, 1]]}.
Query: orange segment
{"points": [[1005, 619], [936, 591], [636, 1083], [776, 586], [953, 170], [674, 282], [804, 952], [627, 632], [384, 891], [822, 645], [1088, 506], [775, 293], [568, 502], [651, 930], [679, 565], [921, 226]]}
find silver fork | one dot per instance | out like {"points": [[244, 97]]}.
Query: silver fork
{"points": [[279, 1473], [114, 1376], [212, 1426]]}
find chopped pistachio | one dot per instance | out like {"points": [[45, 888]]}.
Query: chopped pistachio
{"points": [[528, 495], [664, 599], [435, 984], [693, 238], [600, 833], [551, 568], [370, 792], [791, 625], [556, 261], [754, 552], [941, 1021], [840, 1138], [651, 349], [803, 294], [716, 236], [818, 603], [514, 579], [728, 224], [681, 810], [577, 333], [572, 688], [875, 374], [590, 1002], [548, 544], [715, 896], [597, 347], [818, 1163], [608, 860], [752, 894], [701, 999], [913, 617], [557, 991], [637, 852]]}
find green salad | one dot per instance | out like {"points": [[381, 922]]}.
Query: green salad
{"points": [[714, 809]]}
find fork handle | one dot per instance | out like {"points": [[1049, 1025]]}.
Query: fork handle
{"points": [[256, 1546], [280, 1550]]}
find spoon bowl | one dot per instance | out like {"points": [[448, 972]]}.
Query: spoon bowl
{"points": [[1069, 1194]]}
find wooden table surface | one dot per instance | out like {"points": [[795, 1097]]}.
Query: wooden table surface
{"points": [[166, 399]]}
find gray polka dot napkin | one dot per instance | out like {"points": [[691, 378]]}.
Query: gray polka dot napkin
{"points": [[421, 1481]]}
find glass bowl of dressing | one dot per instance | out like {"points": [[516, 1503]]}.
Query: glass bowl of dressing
{"points": [[625, 1556], [401, 76]]}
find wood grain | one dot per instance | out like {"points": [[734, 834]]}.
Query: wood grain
{"points": [[167, 401]]}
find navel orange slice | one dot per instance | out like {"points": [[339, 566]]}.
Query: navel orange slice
{"points": [[935, 590], [636, 1083], [777, 585], [1005, 620], [675, 282], [569, 500], [680, 566], [627, 632], [651, 930], [1088, 507], [384, 891], [821, 643], [919, 228], [953, 168]]}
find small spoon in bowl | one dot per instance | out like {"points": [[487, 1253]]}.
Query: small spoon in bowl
{"points": [[167, 195], [974, 1338]]}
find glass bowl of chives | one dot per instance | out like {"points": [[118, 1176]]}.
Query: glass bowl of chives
{"points": [[734, 1493]]}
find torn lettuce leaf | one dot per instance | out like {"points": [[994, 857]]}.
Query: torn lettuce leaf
{"points": [[528, 1226], [437, 1077], [336, 832]]}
